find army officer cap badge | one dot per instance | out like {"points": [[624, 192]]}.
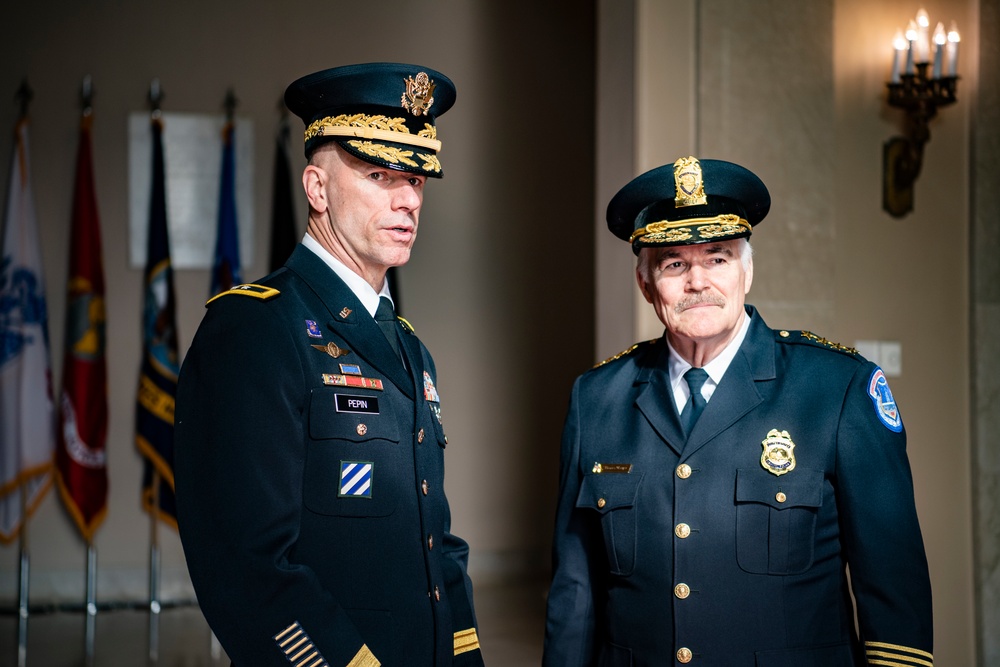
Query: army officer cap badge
{"points": [[690, 201], [382, 113]]}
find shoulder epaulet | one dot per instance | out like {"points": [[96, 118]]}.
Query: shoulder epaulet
{"points": [[249, 289], [406, 325], [813, 339], [623, 353]]}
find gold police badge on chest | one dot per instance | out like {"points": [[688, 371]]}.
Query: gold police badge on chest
{"points": [[778, 456]]}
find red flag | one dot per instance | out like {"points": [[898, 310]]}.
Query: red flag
{"points": [[80, 456]]}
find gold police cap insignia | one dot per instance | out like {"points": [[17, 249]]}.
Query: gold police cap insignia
{"points": [[419, 95], [688, 185], [778, 456]]}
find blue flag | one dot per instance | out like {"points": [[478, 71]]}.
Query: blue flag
{"points": [[154, 430], [226, 267]]}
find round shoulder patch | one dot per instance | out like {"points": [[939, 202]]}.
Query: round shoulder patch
{"points": [[885, 404]]}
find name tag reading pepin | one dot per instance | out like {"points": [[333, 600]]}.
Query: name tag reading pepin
{"points": [[364, 404]]}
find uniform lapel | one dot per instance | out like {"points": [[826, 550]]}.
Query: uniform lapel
{"points": [[655, 400], [739, 391], [414, 361], [349, 318]]}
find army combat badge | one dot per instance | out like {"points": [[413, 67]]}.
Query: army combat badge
{"points": [[778, 456]]}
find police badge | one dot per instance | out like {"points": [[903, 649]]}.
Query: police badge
{"points": [[778, 456]]}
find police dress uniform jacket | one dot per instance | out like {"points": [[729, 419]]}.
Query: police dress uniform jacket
{"points": [[671, 550], [310, 483]]}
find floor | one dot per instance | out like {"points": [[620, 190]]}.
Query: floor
{"points": [[511, 626]]}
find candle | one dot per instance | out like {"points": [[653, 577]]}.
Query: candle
{"points": [[923, 41], [899, 44], [953, 39], [911, 36], [939, 41]]}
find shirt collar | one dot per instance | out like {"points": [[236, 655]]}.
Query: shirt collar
{"points": [[717, 367], [368, 297]]}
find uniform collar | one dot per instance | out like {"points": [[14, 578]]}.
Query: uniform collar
{"points": [[368, 297]]}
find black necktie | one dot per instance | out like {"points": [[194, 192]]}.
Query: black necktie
{"points": [[386, 319], [695, 377]]}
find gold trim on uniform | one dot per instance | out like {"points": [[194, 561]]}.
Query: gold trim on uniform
{"points": [[381, 127], [724, 224], [466, 640], [364, 658], [419, 94], [689, 190], [829, 343], [896, 653], [622, 353], [261, 292], [298, 647], [395, 155]]}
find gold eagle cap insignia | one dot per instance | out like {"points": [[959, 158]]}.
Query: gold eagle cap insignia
{"points": [[419, 95]]}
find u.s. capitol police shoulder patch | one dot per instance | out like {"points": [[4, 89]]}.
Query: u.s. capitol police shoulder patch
{"points": [[885, 404]]}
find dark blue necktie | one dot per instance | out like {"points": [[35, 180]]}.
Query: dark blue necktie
{"points": [[695, 377], [385, 316]]}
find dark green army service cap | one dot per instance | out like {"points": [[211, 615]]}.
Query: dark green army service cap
{"points": [[690, 201], [382, 113]]}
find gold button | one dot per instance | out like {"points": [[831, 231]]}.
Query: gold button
{"points": [[683, 471], [682, 591], [424, 487], [601, 502], [430, 541], [783, 334], [780, 497], [420, 435], [362, 429], [682, 530], [684, 655], [437, 594]]}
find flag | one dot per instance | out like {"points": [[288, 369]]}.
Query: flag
{"points": [[226, 267], [81, 459], [283, 237], [27, 416], [154, 430]]}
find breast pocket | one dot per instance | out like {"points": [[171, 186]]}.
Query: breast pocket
{"points": [[354, 459], [613, 497], [776, 520]]}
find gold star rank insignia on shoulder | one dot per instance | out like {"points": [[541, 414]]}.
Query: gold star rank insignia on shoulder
{"points": [[778, 456]]}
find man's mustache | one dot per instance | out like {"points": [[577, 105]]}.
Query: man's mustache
{"points": [[712, 299]]}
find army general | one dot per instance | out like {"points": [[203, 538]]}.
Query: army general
{"points": [[309, 437], [718, 483]]}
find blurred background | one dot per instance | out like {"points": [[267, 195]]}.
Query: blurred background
{"points": [[515, 285]]}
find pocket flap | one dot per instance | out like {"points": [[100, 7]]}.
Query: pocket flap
{"points": [[375, 421], [799, 488], [606, 492]]}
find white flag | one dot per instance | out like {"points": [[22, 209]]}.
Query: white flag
{"points": [[27, 418]]}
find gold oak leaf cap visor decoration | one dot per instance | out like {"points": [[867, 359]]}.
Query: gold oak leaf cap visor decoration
{"points": [[382, 113], [687, 202]]}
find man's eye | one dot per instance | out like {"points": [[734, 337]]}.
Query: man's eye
{"points": [[376, 176]]}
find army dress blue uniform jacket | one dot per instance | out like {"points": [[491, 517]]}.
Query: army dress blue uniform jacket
{"points": [[313, 514], [671, 550]]}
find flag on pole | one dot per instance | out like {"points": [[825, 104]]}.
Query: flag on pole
{"points": [[283, 237], [154, 434], [81, 459], [27, 416], [226, 267]]}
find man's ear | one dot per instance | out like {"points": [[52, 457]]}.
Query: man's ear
{"points": [[314, 183], [748, 278], [642, 285]]}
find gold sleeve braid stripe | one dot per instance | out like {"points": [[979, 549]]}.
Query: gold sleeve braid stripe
{"points": [[894, 655], [298, 648], [364, 658], [466, 640]]}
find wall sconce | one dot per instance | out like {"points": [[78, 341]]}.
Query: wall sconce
{"points": [[919, 87]]}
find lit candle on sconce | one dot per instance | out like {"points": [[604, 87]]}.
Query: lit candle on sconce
{"points": [[899, 44], [953, 39], [939, 41], [923, 37], [911, 37]]}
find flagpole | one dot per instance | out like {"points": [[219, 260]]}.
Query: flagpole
{"points": [[91, 618], [24, 95], [154, 574], [22, 595]]}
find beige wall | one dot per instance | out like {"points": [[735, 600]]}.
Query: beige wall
{"points": [[499, 284], [796, 91]]}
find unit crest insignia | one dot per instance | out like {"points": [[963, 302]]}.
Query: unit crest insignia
{"points": [[419, 95], [778, 456]]}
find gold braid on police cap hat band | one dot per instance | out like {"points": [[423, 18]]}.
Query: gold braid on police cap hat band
{"points": [[364, 126], [729, 221]]}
